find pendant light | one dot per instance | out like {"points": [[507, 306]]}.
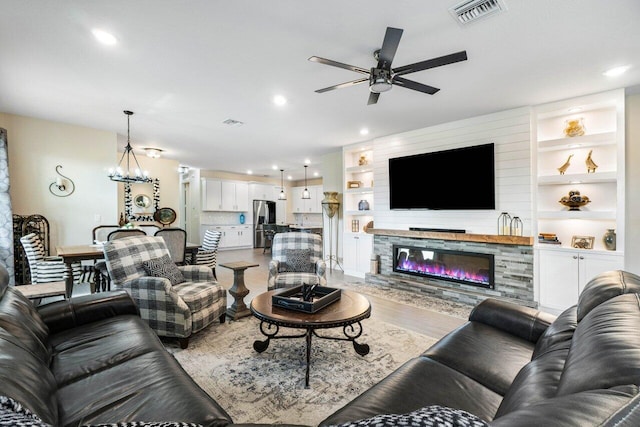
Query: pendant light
{"points": [[282, 195], [121, 175], [305, 193]]}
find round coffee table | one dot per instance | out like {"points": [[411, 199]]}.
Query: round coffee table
{"points": [[347, 313]]}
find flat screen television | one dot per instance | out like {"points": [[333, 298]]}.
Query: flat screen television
{"points": [[457, 179]]}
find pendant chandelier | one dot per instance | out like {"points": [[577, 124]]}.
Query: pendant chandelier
{"points": [[282, 195], [124, 175], [305, 193]]}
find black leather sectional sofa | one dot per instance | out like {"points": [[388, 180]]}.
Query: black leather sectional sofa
{"points": [[92, 360], [514, 366]]}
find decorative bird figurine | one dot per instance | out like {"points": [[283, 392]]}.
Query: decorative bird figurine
{"points": [[562, 169], [591, 165]]}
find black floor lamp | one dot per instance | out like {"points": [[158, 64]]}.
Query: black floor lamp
{"points": [[330, 206]]}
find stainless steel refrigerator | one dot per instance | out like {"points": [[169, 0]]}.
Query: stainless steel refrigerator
{"points": [[264, 212]]}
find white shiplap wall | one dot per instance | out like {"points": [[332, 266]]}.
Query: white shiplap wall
{"points": [[510, 131]]}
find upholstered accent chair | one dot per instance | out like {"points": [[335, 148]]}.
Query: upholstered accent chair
{"points": [[174, 304], [43, 268], [208, 253], [101, 279], [296, 258]]}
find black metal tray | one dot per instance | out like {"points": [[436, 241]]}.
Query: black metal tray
{"points": [[291, 299]]}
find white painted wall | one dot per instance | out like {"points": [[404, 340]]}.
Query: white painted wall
{"points": [[508, 130], [332, 178]]}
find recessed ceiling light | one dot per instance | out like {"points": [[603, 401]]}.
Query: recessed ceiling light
{"points": [[279, 100], [289, 177], [274, 167], [364, 131], [307, 162], [575, 110], [249, 172], [316, 174], [104, 37], [616, 71]]}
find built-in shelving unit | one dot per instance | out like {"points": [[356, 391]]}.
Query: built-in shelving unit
{"points": [[358, 186], [562, 270]]}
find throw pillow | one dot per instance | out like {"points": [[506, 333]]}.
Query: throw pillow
{"points": [[298, 260], [164, 267], [429, 416], [12, 413]]}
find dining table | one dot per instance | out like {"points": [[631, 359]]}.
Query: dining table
{"points": [[79, 253]]}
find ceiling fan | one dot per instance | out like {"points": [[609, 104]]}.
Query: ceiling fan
{"points": [[382, 77]]}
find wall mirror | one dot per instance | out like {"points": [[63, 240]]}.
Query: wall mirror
{"points": [[141, 201]]}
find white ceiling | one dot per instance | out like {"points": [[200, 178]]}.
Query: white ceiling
{"points": [[185, 66]]}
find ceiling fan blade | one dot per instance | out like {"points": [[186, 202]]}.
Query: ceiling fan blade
{"points": [[431, 63], [410, 84], [341, 85], [338, 64], [389, 47], [373, 98]]}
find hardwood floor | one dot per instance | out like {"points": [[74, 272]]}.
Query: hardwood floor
{"points": [[423, 321]]}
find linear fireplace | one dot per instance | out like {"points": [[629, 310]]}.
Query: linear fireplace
{"points": [[470, 268]]}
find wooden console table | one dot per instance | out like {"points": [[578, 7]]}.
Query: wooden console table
{"points": [[239, 290]]}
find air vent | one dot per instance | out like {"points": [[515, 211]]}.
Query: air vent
{"points": [[472, 10], [232, 122]]}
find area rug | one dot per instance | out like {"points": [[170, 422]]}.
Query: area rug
{"points": [[269, 387]]}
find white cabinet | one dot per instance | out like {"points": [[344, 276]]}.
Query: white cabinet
{"points": [[358, 186], [233, 236], [258, 191], [356, 250], [563, 274], [222, 195], [311, 205]]}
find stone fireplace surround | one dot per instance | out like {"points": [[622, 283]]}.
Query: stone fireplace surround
{"points": [[513, 269]]}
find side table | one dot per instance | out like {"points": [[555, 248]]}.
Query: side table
{"points": [[238, 290]]}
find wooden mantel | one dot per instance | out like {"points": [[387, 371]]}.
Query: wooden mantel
{"points": [[461, 237]]}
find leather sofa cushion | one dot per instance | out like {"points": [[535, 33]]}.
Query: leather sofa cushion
{"points": [[558, 333], [540, 378], [19, 317], [605, 286], [105, 371], [605, 350], [483, 353], [430, 416], [420, 382], [26, 379], [588, 408]]}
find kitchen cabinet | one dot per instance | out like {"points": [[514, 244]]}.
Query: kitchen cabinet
{"points": [[563, 274], [223, 195], [232, 236], [311, 205], [357, 249], [259, 191]]}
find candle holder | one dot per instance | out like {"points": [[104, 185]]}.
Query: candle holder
{"points": [[63, 186]]}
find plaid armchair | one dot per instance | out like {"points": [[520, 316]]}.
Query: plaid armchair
{"points": [[172, 310], [296, 259]]}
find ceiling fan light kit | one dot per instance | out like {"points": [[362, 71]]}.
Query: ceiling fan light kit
{"points": [[383, 77]]}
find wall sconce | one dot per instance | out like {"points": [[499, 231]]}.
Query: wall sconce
{"points": [[154, 153], [63, 186]]}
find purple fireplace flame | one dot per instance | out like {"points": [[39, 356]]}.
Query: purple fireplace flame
{"points": [[463, 267]]}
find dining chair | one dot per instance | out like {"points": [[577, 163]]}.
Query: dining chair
{"points": [[176, 240], [46, 269], [208, 253]]}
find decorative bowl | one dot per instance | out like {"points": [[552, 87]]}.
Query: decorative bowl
{"points": [[574, 201]]}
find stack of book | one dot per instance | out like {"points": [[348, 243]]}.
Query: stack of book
{"points": [[549, 238]]}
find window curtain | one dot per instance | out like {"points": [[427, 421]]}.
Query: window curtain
{"points": [[6, 216]]}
